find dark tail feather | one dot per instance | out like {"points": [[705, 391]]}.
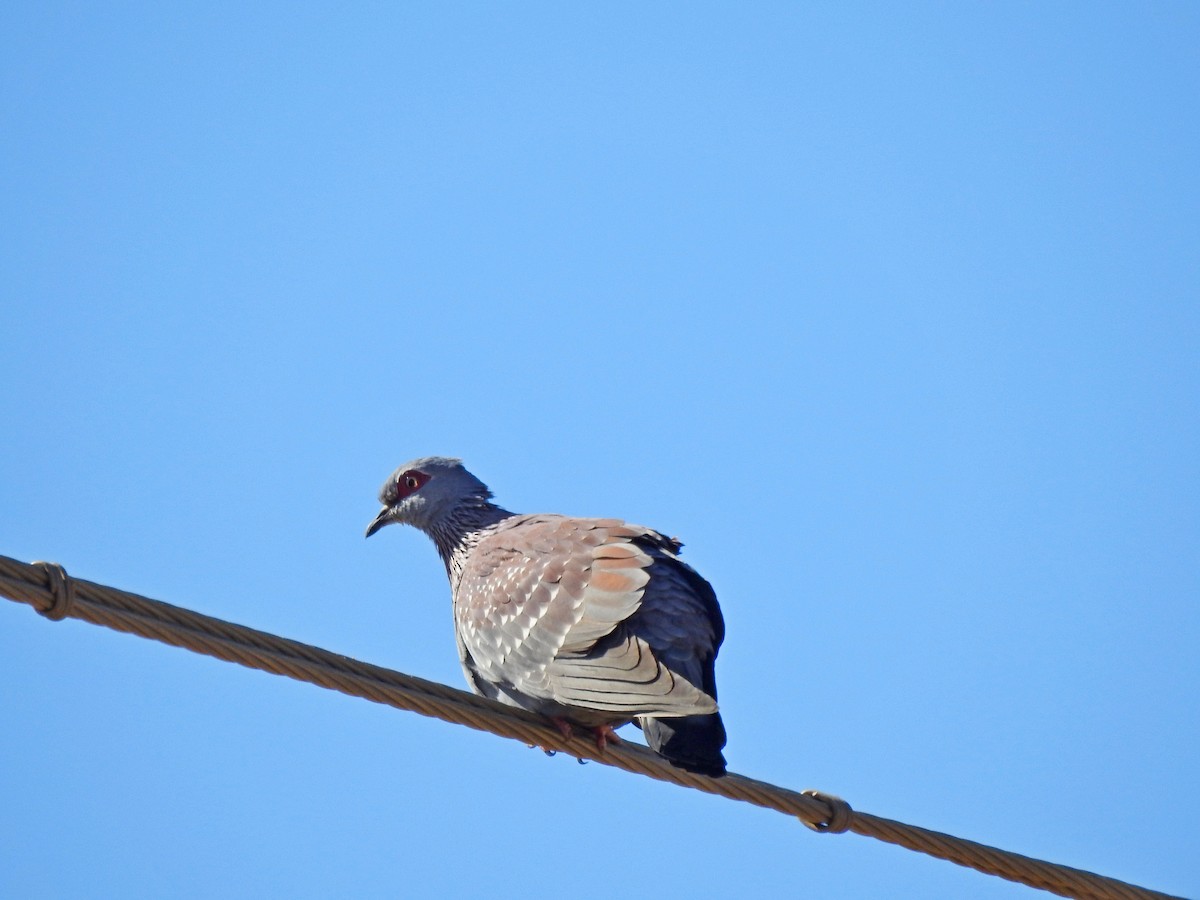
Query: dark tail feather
{"points": [[692, 743]]}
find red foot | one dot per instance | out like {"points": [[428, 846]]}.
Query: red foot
{"points": [[605, 735], [564, 727], [602, 734]]}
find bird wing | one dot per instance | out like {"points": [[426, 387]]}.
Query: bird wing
{"points": [[681, 619], [543, 611]]}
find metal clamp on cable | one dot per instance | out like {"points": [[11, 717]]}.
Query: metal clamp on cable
{"points": [[62, 587], [840, 813]]}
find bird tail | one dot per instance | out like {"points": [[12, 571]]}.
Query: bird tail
{"points": [[692, 743]]}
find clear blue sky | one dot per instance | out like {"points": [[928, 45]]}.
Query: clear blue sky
{"points": [[890, 312]]}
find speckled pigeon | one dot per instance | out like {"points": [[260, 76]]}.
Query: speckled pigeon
{"points": [[594, 622]]}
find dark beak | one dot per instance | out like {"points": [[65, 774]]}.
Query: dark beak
{"points": [[384, 518]]}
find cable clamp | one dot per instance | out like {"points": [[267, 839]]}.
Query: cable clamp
{"points": [[62, 587], [840, 813]]}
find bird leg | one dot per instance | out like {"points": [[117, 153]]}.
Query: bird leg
{"points": [[564, 727], [602, 734]]}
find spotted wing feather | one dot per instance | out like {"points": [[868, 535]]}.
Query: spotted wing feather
{"points": [[551, 615]]}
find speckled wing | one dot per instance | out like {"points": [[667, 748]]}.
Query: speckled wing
{"points": [[549, 616]]}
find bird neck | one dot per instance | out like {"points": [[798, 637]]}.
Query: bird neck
{"points": [[457, 533]]}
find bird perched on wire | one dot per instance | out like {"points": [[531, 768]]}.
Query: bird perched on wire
{"points": [[591, 622]]}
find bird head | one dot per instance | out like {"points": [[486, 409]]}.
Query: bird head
{"points": [[423, 492]]}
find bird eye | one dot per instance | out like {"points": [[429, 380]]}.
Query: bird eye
{"points": [[410, 482]]}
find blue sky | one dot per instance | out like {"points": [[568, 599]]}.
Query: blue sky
{"points": [[889, 312]]}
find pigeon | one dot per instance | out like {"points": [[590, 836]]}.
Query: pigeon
{"points": [[591, 622]]}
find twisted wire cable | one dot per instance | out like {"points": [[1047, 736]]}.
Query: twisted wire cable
{"points": [[56, 595]]}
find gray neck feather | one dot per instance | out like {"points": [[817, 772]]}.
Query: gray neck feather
{"points": [[456, 533]]}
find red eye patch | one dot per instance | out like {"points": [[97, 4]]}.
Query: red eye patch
{"points": [[409, 483]]}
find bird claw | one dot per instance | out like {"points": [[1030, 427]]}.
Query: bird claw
{"points": [[564, 727], [604, 736]]}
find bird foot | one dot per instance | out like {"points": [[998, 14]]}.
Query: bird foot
{"points": [[564, 727], [603, 735]]}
